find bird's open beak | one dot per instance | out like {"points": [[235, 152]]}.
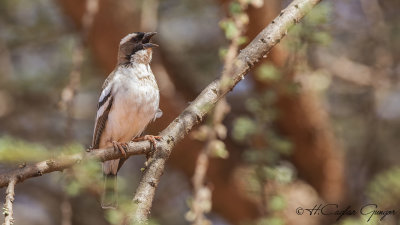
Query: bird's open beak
{"points": [[149, 45], [147, 37], [146, 40]]}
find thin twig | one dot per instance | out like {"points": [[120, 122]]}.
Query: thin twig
{"points": [[66, 211], [69, 92], [201, 203], [345, 69], [92, 7], [8, 205]]}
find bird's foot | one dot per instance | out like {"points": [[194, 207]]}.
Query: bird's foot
{"points": [[122, 147], [150, 138]]}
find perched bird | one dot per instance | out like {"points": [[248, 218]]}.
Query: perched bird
{"points": [[129, 101]]}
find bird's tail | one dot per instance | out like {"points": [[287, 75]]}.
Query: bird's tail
{"points": [[109, 199]]}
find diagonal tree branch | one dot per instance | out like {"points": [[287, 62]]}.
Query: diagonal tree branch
{"points": [[183, 124], [194, 114]]}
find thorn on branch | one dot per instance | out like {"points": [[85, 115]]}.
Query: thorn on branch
{"points": [[249, 63], [198, 118], [215, 91], [171, 138]]}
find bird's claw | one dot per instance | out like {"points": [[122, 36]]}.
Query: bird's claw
{"points": [[122, 147], [150, 138]]}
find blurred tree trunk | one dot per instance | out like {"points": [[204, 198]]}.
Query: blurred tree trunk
{"points": [[303, 120], [114, 20]]}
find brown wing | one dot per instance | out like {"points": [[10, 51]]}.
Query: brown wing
{"points": [[101, 124], [101, 120]]}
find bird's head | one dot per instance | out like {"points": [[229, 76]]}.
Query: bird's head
{"points": [[136, 48]]}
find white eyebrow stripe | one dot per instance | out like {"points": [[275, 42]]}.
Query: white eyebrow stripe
{"points": [[127, 38]]}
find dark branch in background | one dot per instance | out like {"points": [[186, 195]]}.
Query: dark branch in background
{"points": [[66, 211], [216, 131], [69, 92], [8, 205], [193, 114], [183, 124]]}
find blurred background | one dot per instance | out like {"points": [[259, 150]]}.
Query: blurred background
{"points": [[317, 121]]}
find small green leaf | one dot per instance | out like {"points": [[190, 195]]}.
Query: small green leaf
{"points": [[276, 203], [282, 146], [253, 105], [243, 128], [73, 188], [323, 38], [242, 40], [222, 52], [235, 8], [268, 72], [230, 28], [319, 15], [271, 221], [201, 133], [218, 149]]}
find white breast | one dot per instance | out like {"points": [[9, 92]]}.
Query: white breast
{"points": [[135, 103]]}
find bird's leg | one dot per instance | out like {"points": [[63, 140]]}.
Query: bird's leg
{"points": [[121, 147], [150, 138]]}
